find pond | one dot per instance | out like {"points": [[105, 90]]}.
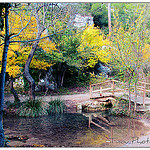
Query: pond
{"points": [[71, 130]]}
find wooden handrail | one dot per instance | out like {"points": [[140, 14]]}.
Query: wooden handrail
{"points": [[142, 88], [144, 82], [100, 83]]}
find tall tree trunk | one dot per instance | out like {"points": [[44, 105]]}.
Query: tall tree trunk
{"points": [[129, 96], [28, 62], [63, 75], [109, 17], [26, 72], [59, 75], [17, 100], [3, 73]]}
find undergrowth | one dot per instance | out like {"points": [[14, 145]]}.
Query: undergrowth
{"points": [[32, 108], [56, 106], [120, 107], [38, 108]]}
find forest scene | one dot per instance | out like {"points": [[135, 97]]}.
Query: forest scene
{"points": [[74, 74]]}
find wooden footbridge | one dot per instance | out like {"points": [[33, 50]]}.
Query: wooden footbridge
{"points": [[139, 95]]}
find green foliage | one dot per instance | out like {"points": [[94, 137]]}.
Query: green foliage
{"points": [[120, 107], [56, 106], [126, 12], [26, 84], [33, 108], [100, 13], [97, 78], [85, 8]]}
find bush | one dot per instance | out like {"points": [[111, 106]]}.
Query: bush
{"points": [[33, 108], [120, 108], [56, 106], [97, 78]]}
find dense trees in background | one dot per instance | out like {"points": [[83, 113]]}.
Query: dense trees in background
{"points": [[130, 49], [62, 49]]}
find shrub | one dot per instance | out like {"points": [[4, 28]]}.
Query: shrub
{"points": [[56, 106], [33, 108], [120, 108]]}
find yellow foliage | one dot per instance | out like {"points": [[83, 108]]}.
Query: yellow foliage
{"points": [[13, 70], [18, 53], [146, 52], [92, 47], [129, 47], [39, 64]]}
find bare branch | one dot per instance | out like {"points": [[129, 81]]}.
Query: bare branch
{"points": [[30, 40], [22, 28], [2, 44], [43, 37]]}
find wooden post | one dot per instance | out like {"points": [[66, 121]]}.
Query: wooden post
{"points": [[144, 92], [113, 87], [90, 118], [135, 92], [111, 134], [101, 91], [90, 91]]}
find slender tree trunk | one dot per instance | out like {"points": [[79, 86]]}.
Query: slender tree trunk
{"points": [[109, 17], [129, 97], [17, 100], [59, 75], [63, 75], [28, 62], [3, 73], [26, 71]]}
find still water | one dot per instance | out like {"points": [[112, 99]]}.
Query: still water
{"points": [[72, 130]]}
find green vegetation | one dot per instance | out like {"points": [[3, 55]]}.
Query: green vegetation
{"points": [[37, 107], [56, 106], [120, 107], [34, 108]]}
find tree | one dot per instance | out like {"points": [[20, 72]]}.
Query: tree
{"points": [[67, 44], [6, 7], [52, 12], [128, 47], [93, 47], [99, 12]]}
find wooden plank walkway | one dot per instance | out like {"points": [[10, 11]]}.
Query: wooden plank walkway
{"points": [[141, 100]]}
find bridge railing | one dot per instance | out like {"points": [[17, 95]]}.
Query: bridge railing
{"points": [[112, 86], [144, 88]]}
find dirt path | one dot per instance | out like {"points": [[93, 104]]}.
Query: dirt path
{"points": [[70, 100]]}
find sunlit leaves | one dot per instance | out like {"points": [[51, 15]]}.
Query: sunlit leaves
{"points": [[130, 50], [92, 46], [24, 25]]}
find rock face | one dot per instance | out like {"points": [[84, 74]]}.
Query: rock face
{"points": [[101, 68], [19, 82], [43, 85], [48, 82], [82, 21]]}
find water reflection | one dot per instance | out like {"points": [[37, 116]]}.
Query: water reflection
{"points": [[74, 130]]}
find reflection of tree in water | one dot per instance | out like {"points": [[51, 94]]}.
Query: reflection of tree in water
{"points": [[72, 130], [110, 131]]}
